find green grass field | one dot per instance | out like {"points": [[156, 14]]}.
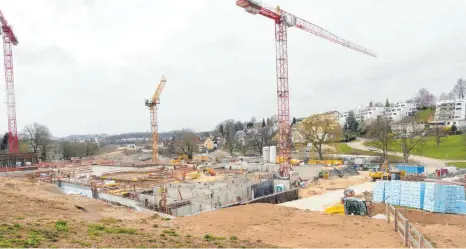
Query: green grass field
{"points": [[425, 115], [452, 147], [343, 148], [458, 164]]}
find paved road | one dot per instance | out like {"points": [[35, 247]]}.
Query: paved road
{"points": [[320, 202], [431, 164]]}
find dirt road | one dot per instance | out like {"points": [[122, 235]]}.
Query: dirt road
{"points": [[320, 202], [288, 227]]}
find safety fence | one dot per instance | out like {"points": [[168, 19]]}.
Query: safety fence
{"points": [[410, 235]]}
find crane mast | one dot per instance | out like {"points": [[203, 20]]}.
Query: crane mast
{"points": [[152, 104], [283, 20], [10, 40]]}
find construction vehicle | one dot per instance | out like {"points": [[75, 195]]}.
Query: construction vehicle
{"points": [[349, 205], [210, 171], [385, 173]]}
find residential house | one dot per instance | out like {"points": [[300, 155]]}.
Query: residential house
{"points": [[451, 112]]}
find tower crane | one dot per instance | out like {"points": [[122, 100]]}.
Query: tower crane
{"points": [[10, 40], [284, 20], [152, 104]]}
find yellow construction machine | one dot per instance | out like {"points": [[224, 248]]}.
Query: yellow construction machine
{"points": [[384, 173], [349, 205]]}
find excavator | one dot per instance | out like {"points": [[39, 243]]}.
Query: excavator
{"points": [[349, 205]]}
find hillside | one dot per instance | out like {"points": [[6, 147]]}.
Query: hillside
{"points": [[39, 215]]}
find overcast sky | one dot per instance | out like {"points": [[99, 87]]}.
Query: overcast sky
{"points": [[86, 66]]}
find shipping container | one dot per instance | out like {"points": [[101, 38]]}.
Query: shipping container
{"points": [[411, 169]]}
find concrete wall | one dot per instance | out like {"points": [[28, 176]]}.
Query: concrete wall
{"points": [[285, 183], [70, 188], [261, 189], [149, 200], [307, 172], [255, 167], [17, 173], [117, 199], [191, 209]]}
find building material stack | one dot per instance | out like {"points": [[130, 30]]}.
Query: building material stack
{"points": [[429, 196], [379, 191], [412, 194], [444, 198], [393, 192]]}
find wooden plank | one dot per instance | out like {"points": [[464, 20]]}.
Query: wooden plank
{"points": [[412, 241], [406, 232]]}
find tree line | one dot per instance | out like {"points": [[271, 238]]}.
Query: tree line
{"points": [[234, 137], [37, 138]]}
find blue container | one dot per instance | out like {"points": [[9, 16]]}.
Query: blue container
{"points": [[411, 169]]}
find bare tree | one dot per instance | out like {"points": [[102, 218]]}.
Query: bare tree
{"points": [[186, 143], [241, 142], [229, 134], [451, 95], [318, 131], [440, 134], [380, 131], [424, 98], [444, 96], [38, 137], [460, 88], [410, 135], [262, 135]]}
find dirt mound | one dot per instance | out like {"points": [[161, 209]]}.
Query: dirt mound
{"points": [[324, 185], [37, 215], [288, 227], [442, 230]]}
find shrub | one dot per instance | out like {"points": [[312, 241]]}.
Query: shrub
{"points": [[61, 226]]}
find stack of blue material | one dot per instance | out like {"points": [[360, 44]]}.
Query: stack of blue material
{"points": [[461, 206], [412, 194], [393, 192], [443, 198], [379, 191]]}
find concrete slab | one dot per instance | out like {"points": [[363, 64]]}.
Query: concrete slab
{"points": [[320, 202]]}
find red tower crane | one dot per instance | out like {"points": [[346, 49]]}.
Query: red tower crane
{"points": [[284, 20], [9, 39]]}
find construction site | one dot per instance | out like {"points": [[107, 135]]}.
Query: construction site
{"points": [[136, 198]]}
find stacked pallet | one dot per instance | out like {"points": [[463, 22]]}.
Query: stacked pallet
{"points": [[393, 192], [443, 198], [432, 197], [412, 194], [379, 191]]}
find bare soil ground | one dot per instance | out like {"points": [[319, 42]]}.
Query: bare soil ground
{"points": [[442, 230], [288, 227], [40, 215], [325, 185]]}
